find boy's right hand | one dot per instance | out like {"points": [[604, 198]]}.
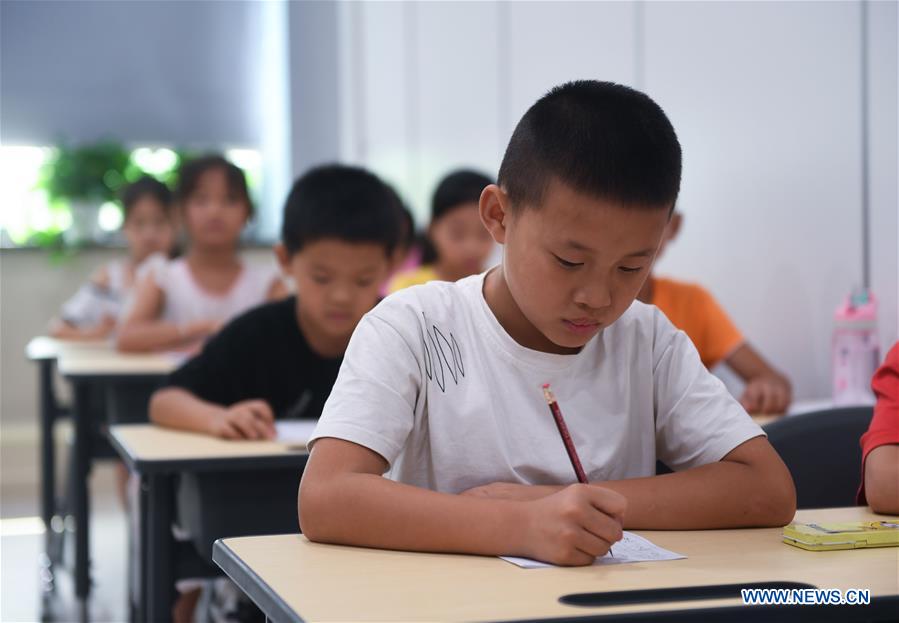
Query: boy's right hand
{"points": [[250, 419], [575, 525]]}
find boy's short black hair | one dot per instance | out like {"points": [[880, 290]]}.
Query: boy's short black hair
{"points": [[457, 188], [601, 139], [191, 171], [146, 186], [343, 202]]}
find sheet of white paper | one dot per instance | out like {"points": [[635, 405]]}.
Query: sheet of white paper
{"points": [[631, 548], [296, 432]]}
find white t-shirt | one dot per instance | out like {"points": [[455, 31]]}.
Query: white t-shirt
{"points": [[187, 301], [433, 383]]}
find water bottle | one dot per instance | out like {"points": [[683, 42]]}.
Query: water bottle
{"points": [[855, 349]]}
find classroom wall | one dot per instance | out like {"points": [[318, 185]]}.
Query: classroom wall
{"points": [[884, 153], [765, 98]]}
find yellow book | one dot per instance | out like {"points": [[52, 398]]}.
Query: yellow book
{"points": [[831, 536]]}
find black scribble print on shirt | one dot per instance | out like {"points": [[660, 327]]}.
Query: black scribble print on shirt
{"points": [[442, 355]]}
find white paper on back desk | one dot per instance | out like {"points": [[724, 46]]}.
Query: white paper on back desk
{"points": [[295, 432], [631, 548]]}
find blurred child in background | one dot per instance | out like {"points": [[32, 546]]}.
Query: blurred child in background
{"points": [[693, 310], [339, 233], [408, 251], [181, 303], [459, 242], [149, 229]]}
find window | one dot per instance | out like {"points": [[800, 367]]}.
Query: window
{"points": [[30, 216]]}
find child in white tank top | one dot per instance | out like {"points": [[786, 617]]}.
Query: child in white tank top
{"points": [[179, 304], [93, 311]]}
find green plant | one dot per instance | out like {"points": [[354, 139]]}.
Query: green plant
{"points": [[90, 172], [91, 175]]}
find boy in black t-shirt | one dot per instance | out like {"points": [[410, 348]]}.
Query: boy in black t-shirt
{"points": [[279, 360]]}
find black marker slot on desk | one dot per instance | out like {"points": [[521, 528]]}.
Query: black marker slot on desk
{"points": [[680, 593]]}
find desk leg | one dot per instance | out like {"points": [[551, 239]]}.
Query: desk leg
{"points": [[81, 492], [52, 539], [139, 586], [160, 581]]}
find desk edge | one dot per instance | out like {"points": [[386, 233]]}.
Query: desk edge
{"points": [[206, 464], [274, 607], [121, 448], [110, 377]]}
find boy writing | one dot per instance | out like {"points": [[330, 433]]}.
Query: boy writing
{"points": [[441, 383]]}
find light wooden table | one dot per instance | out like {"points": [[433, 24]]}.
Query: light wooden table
{"points": [[107, 363], [159, 455], [292, 579], [43, 347], [120, 377]]}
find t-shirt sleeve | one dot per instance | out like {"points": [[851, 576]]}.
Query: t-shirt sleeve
{"points": [[697, 420], [215, 374], [884, 428], [84, 308], [721, 337], [374, 398], [268, 275]]}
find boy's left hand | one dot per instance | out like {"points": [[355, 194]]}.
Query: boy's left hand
{"points": [[511, 491], [766, 395]]}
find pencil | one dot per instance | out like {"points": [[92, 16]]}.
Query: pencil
{"points": [[566, 437], [563, 431]]}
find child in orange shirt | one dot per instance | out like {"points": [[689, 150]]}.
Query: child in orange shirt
{"points": [[693, 310]]}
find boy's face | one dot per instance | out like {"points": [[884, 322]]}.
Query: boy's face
{"points": [[574, 264], [148, 229], [337, 283]]}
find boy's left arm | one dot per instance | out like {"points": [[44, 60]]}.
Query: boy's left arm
{"points": [[749, 488]]}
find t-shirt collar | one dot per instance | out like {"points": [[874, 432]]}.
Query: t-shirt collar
{"points": [[517, 354]]}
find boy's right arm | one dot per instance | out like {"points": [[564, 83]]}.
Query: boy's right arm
{"points": [[345, 499], [174, 407], [767, 390]]}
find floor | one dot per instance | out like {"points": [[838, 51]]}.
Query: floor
{"points": [[21, 546]]}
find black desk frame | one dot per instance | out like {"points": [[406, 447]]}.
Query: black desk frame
{"points": [[157, 545], [83, 453]]}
